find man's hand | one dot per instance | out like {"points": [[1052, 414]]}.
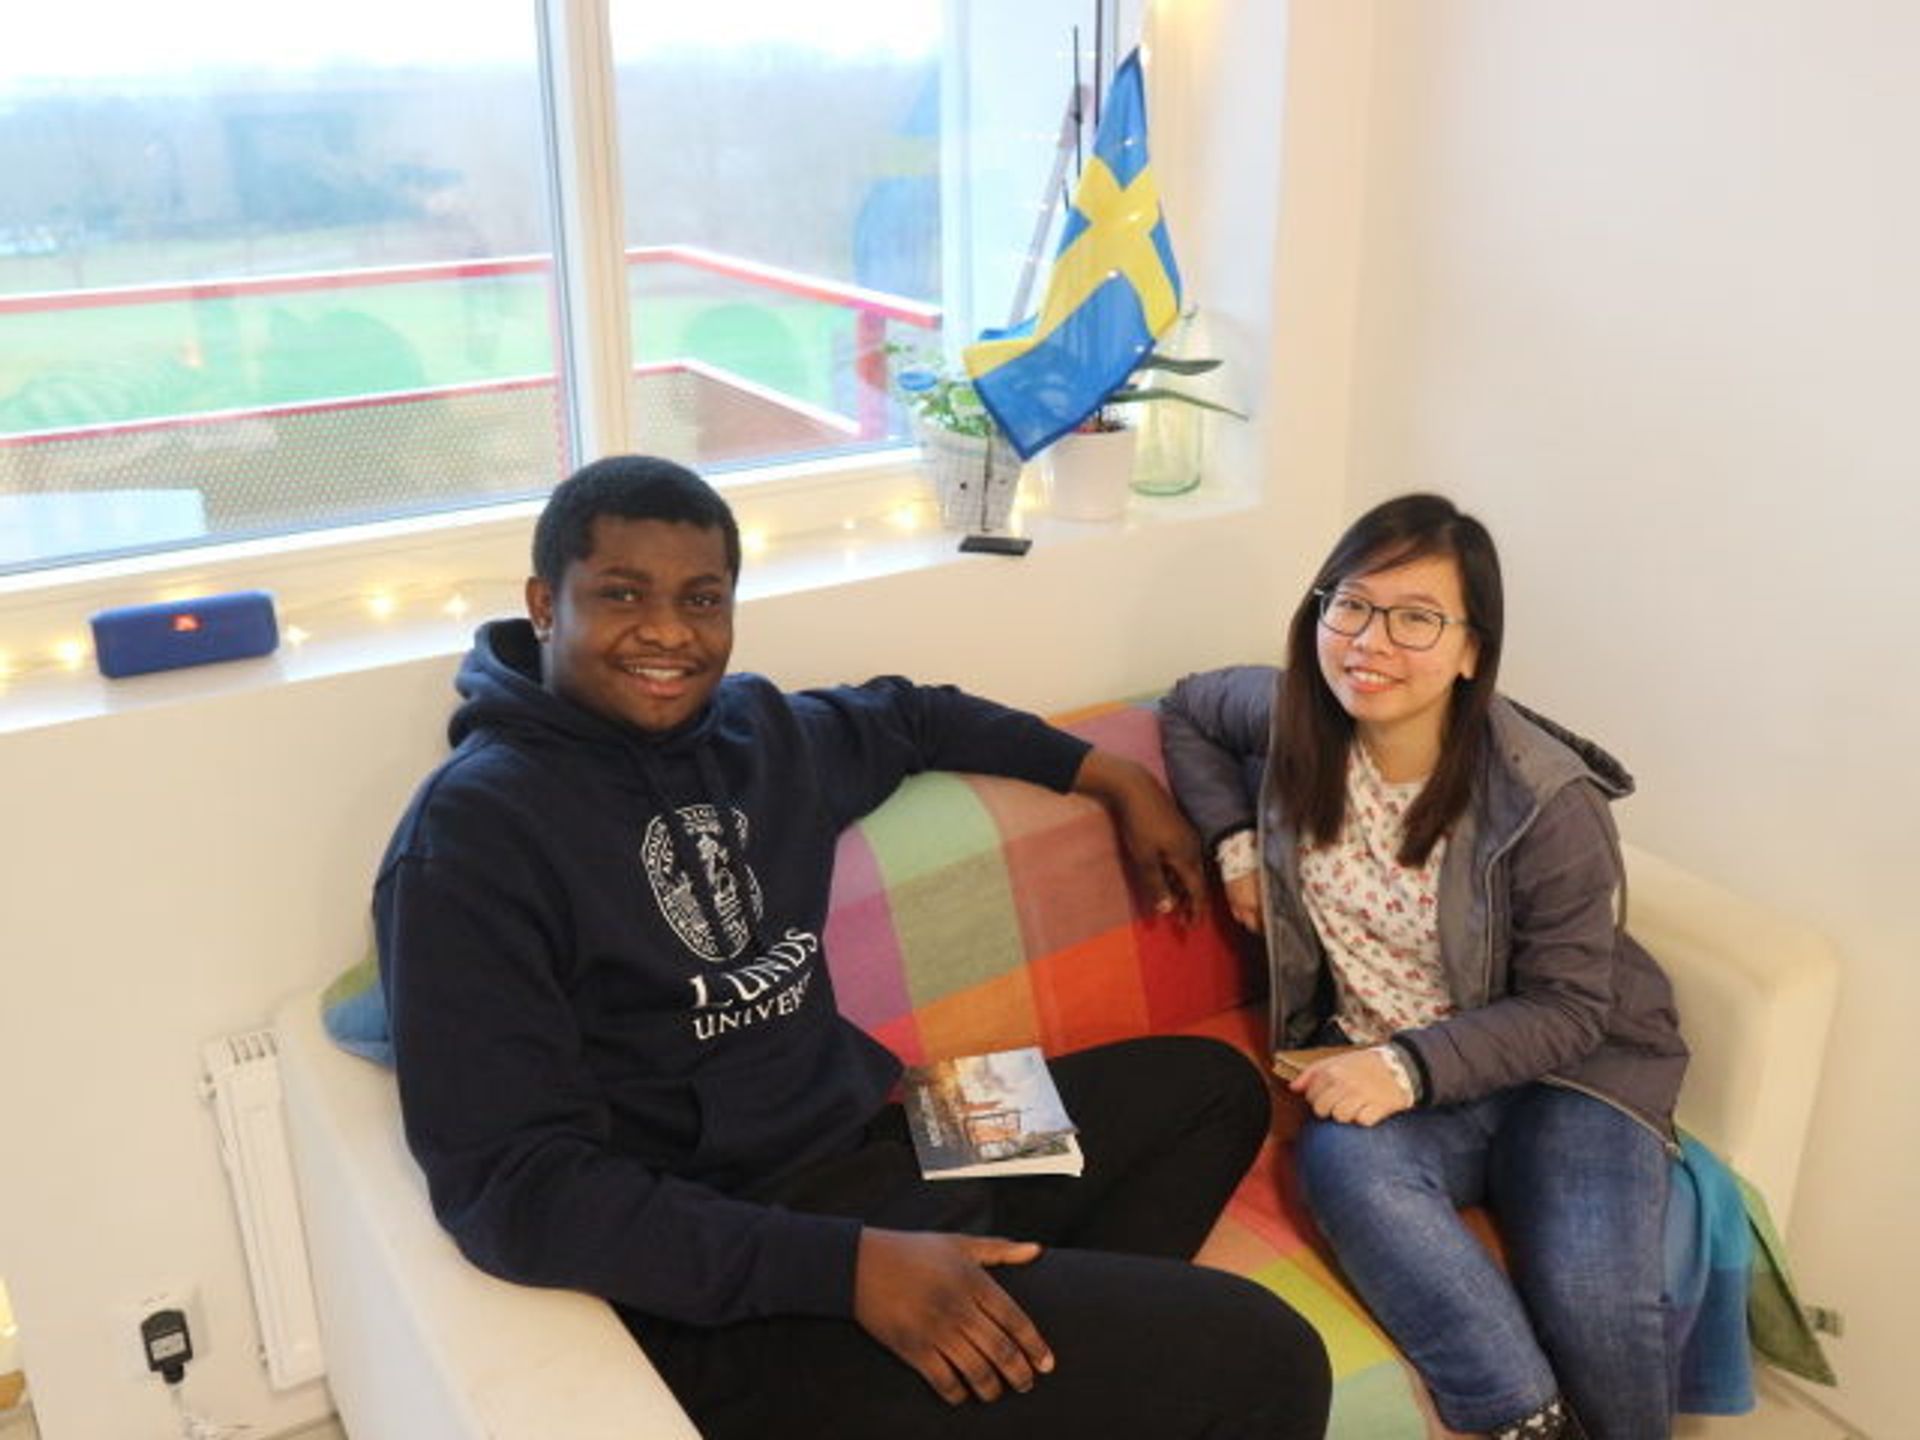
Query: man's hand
{"points": [[1356, 1088], [927, 1297], [1163, 847]]}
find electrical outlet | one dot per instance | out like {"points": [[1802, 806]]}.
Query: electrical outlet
{"points": [[128, 1315]]}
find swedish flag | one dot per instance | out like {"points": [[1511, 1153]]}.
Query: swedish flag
{"points": [[1113, 289]]}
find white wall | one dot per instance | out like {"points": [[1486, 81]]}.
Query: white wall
{"points": [[1641, 285], [168, 874]]}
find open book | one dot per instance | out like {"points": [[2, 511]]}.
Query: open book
{"points": [[1288, 1064], [993, 1114]]}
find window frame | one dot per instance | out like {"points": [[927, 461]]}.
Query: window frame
{"points": [[44, 612]]}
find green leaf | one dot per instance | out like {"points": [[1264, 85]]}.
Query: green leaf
{"points": [[1174, 365], [1136, 394]]}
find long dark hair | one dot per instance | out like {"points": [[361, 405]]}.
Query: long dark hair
{"points": [[1310, 768]]}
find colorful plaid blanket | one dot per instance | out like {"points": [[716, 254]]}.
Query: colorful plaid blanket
{"points": [[977, 914], [972, 913]]}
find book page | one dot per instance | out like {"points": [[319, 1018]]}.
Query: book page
{"points": [[997, 1113], [1288, 1064], [1060, 1156]]}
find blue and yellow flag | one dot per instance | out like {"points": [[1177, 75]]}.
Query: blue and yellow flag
{"points": [[1113, 289]]}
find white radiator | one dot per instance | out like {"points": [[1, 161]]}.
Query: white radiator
{"points": [[243, 1083]]}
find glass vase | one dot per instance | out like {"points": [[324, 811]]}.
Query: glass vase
{"points": [[1172, 448]]}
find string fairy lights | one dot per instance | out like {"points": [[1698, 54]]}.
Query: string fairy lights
{"points": [[360, 611], [337, 617]]}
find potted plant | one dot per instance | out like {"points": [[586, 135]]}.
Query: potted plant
{"points": [[1112, 451], [974, 471]]}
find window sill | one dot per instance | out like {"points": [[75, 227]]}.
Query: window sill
{"points": [[405, 592]]}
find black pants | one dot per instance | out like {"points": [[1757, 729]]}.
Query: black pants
{"points": [[1146, 1344]]}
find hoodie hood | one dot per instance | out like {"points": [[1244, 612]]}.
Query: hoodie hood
{"points": [[501, 690], [500, 680]]}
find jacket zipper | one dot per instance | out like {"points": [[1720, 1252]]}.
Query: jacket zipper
{"points": [[1268, 917], [1667, 1142], [1486, 901]]}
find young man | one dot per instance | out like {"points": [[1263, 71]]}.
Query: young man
{"points": [[622, 1069]]}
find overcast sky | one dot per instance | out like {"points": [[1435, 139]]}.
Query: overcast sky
{"points": [[137, 37]]}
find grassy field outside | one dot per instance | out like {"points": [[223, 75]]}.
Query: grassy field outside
{"points": [[66, 368]]}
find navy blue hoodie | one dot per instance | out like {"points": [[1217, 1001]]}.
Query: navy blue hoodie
{"points": [[606, 1025]]}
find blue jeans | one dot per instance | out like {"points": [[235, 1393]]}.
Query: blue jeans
{"points": [[1580, 1194]]}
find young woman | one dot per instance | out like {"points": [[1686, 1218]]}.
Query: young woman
{"points": [[1441, 892]]}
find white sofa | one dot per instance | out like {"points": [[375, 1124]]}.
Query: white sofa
{"points": [[419, 1344], [422, 1346]]}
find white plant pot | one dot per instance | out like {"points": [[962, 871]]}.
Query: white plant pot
{"points": [[1091, 474]]}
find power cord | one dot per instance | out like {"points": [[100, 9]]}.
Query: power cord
{"points": [[196, 1427], [169, 1346]]}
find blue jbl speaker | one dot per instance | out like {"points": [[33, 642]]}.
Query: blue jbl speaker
{"points": [[136, 639]]}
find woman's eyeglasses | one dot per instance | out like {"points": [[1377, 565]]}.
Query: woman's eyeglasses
{"points": [[1411, 627]]}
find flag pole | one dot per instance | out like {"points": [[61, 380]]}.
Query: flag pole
{"points": [[1099, 58], [1052, 195], [1079, 114]]}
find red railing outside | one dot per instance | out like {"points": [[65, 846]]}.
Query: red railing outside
{"points": [[872, 310]]}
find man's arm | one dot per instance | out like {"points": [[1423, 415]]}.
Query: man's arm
{"points": [[510, 1128], [867, 738], [872, 736], [1163, 847]]}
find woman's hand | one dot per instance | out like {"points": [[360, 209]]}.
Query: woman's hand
{"points": [[1357, 1088], [927, 1297], [1163, 847], [1243, 902]]}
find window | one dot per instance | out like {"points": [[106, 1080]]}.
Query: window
{"points": [[252, 280], [263, 272], [781, 189]]}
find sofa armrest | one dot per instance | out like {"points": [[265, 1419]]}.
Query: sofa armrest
{"points": [[1756, 995], [418, 1341]]}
